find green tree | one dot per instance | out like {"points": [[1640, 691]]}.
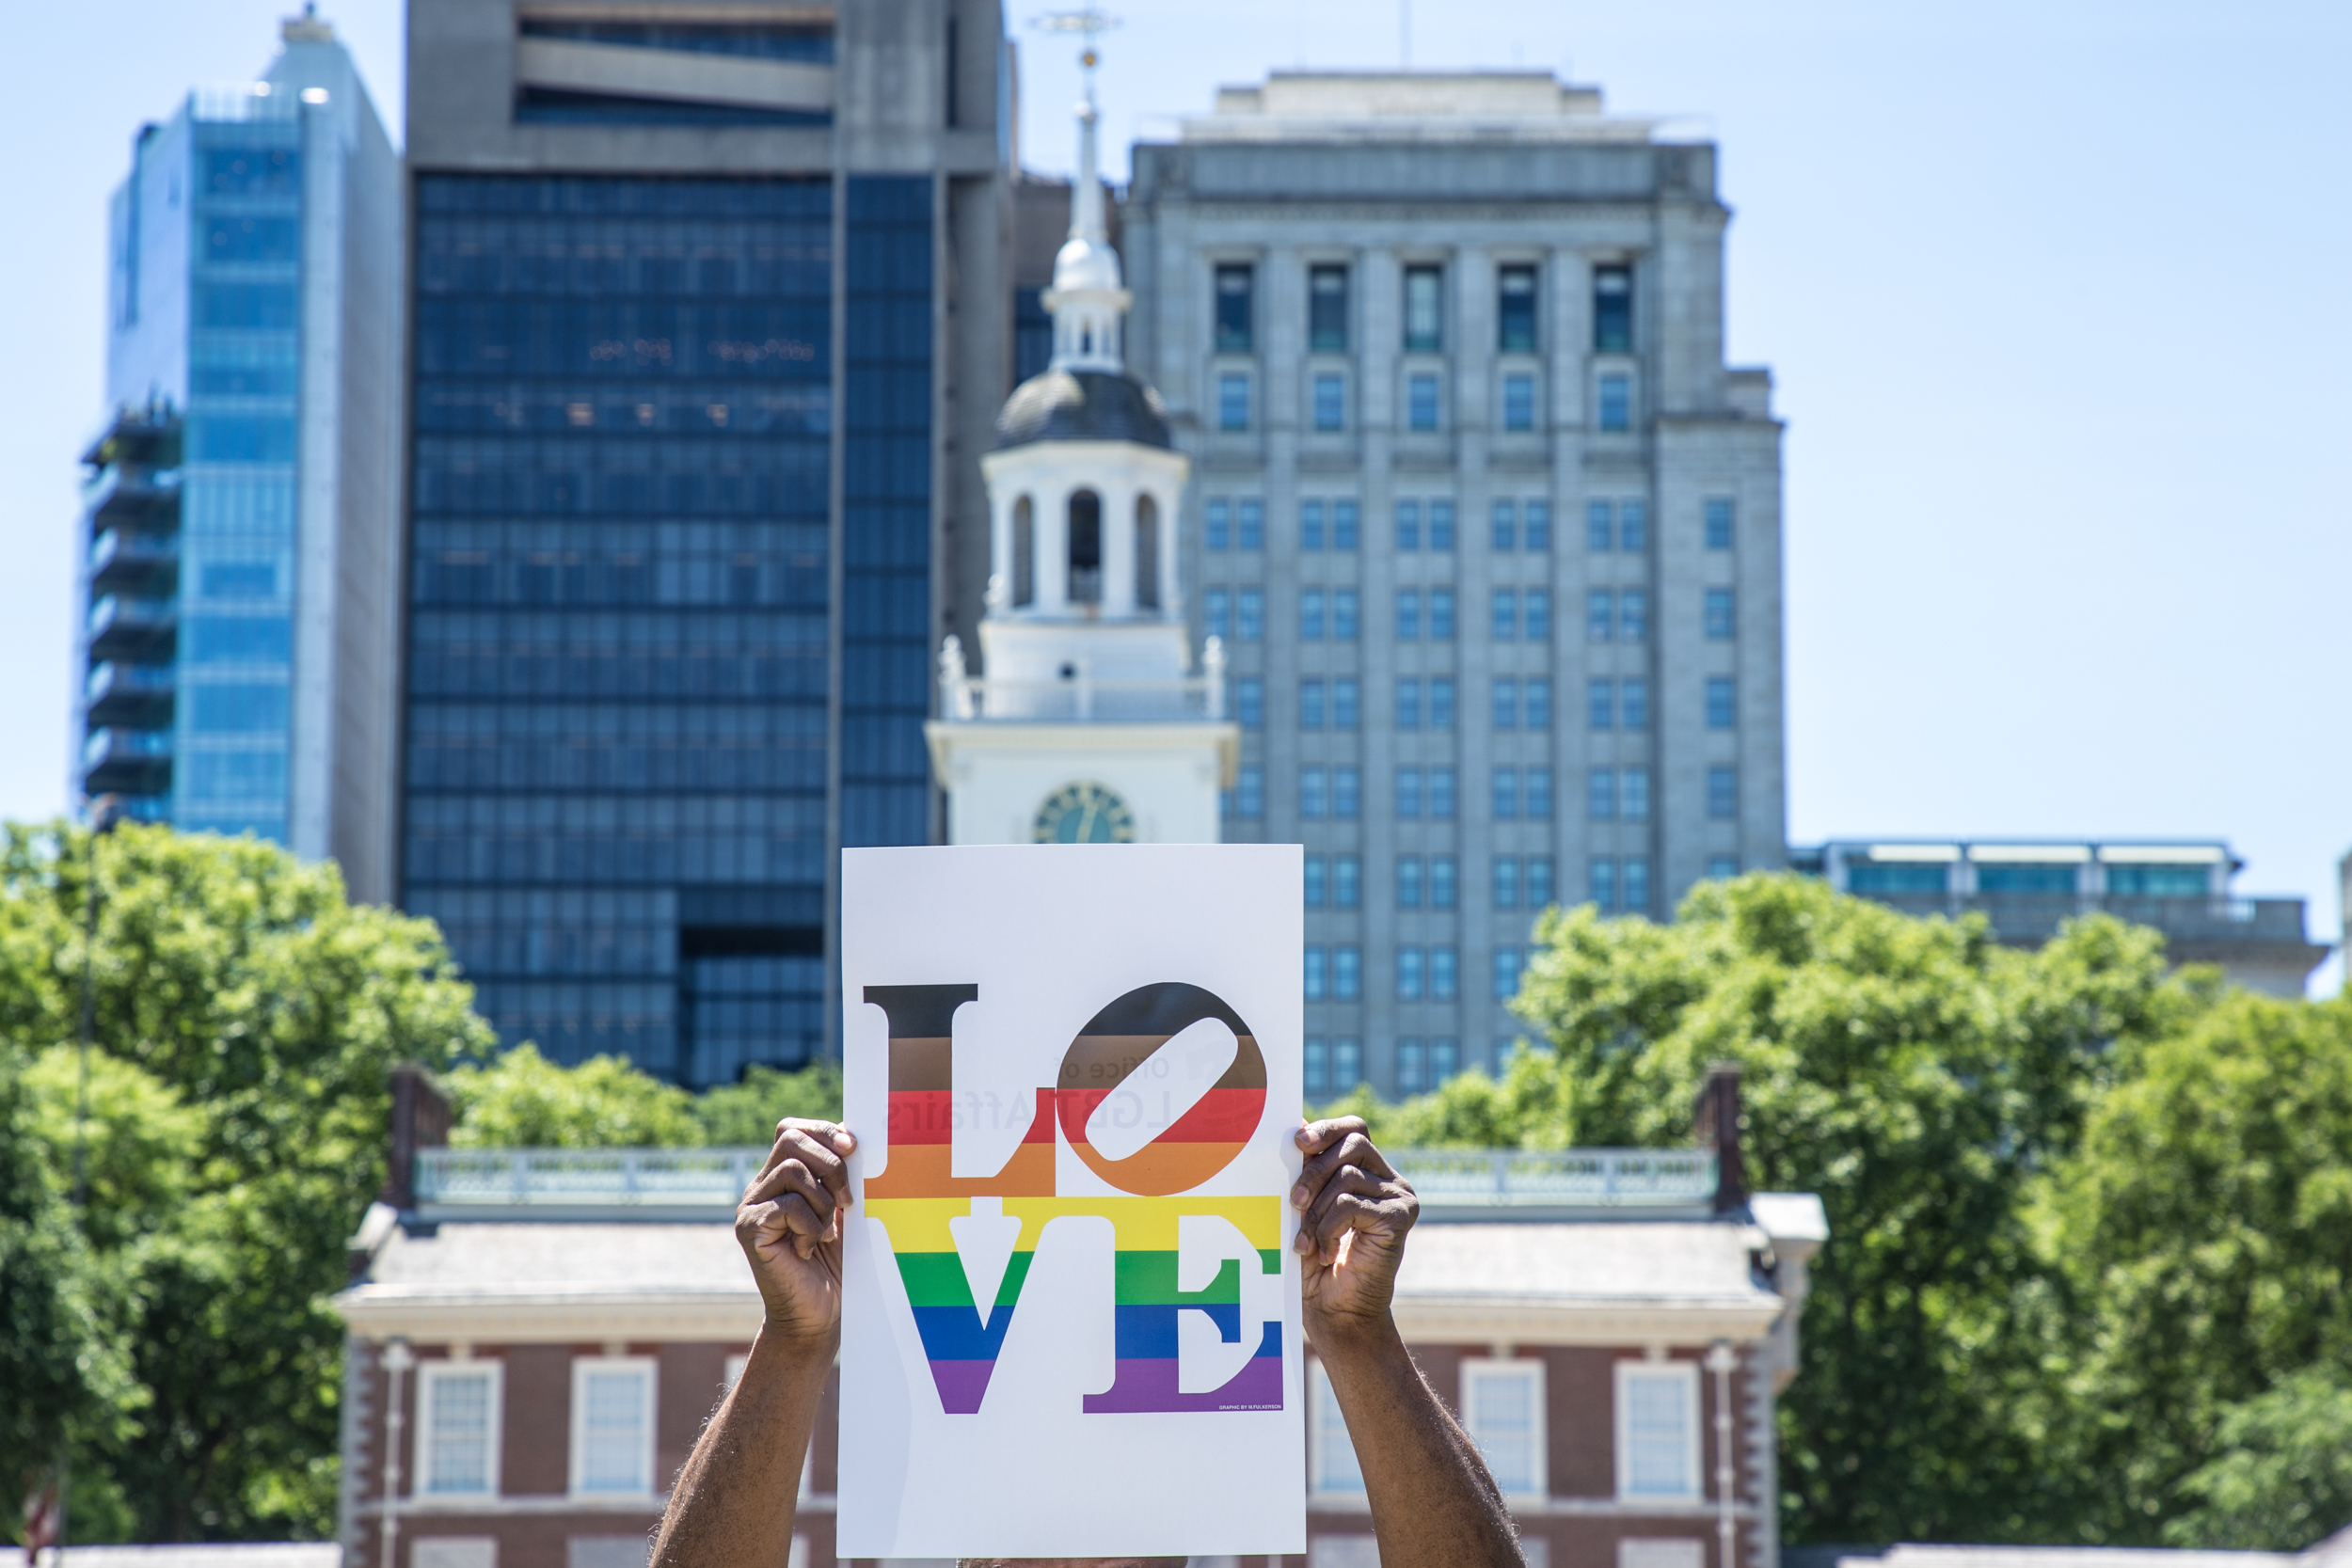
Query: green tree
{"points": [[2283, 1478], [520, 1100], [747, 1112], [1917, 1076], [247, 1016], [2203, 1237]]}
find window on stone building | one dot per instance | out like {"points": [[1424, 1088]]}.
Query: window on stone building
{"points": [[1519, 403], [457, 1428], [1347, 973], [1601, 885], [1633, 525], [1719, 615], [1538, 689], [1613, 309], [1344, 613], [1718, 518], [1421, 401], [1232, 401], [1250, 615], [1330, 401], [1441, 614], [1250, 525], [1411, 1065], [1408, 525], [1408, 882], [1216, 613], [1407, 704], [1250, 701], [1424, 310], [1216, 525], [1633, 615], [1311, 614], [1637, 884], [1634, 703], [1309, 706], [1442, 800], [1445, 1060], [1539, 894], [1538, 614], [1444, 883], [1443, 985], [1235, 286], [1348, 881], [1347, 1064], [1315, 1059], [1538, 525], [1723, 702], [1318, 879], [1600, 607], [1408, 794], [1347, 703], [1317, 979], [1539, 795], [1441, 525], [1326, 308], [1615, 410], [1441, 701], [1723, 794], [1633, 794], [1504, 884], [1515, 310]]}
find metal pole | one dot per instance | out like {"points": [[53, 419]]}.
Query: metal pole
{"points": [[1721, 1359], [396, 1363]]}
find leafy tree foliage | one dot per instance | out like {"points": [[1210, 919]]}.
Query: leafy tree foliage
{"points": [[246, 1017], [523, 1100], [747, 1112], [520, 1100], [2203, 1239]]}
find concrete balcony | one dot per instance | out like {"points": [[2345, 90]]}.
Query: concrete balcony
{"points": [[137, 563], [2258, 943], [137, 696], [120, 761], [138, 629], [124, 497], [1080, 699]]}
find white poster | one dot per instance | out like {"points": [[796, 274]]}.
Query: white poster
{"points": [[1073, 1073]]}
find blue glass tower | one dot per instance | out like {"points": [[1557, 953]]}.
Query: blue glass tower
{"points": [[677, 552], [238, 518]]}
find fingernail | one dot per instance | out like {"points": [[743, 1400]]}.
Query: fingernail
{"points": [[1298, 1197]]}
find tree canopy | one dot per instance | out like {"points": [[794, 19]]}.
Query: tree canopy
{"points": [[2090, 1216], [246, 1017]]}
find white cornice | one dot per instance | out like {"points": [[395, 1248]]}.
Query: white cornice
{"points": [[1551, 1321], [536, 1314], [540, 1316]]}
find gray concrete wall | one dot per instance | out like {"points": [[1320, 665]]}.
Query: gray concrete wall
{"points": [[1699, 433]]}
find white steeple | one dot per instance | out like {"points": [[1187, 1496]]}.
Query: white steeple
{"points": [[1086, 298]]}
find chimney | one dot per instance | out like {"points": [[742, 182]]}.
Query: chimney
{"points": [[419, 1121], [1716, 1126]]}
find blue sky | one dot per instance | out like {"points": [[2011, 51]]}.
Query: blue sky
{"points": [[2054, 295]]}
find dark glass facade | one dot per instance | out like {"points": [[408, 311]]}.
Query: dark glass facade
{"points": [[886, 512], [619, 607]]}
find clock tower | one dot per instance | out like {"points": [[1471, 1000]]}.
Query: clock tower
{"points": [[1088, 721]]}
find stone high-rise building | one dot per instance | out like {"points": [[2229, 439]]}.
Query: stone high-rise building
{"points": [[1491, 531]]}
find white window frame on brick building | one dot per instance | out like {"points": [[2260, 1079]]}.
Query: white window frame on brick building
{"points": [[587, 1368], [1485, 1384], [1683, 1378], [1332, 1469], [432, 1479]]}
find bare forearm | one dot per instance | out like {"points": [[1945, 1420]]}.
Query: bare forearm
{"points": [[1433, 1503], [744, 1476]]}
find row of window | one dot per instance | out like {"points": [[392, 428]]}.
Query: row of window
{"points": [[1503, 1410], [459, 1427], [1335, 1066], [1239, 523], [1515, 794], [1335, 974], [1513, 614], [1612, 402], [1515, 703], [1330, 318], [1336, 881]]}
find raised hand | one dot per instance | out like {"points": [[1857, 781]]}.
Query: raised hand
{"points": [[789, 1225], [1354, 1211]]}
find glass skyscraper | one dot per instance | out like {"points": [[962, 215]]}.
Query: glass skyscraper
{"points": [[239, 522], [678, 557]]}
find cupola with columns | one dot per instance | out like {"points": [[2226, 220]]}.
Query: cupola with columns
{"points": [[1088, 691]]}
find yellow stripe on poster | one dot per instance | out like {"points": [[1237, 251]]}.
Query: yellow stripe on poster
{"points": [[1139, 1223]]}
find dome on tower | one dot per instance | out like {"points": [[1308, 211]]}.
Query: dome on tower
{"points": [[1083, 405]]}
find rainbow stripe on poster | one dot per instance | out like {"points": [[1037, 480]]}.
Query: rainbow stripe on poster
{"points": [[917, 1196]]}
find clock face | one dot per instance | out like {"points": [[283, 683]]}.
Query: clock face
{"points": [[1085, 813]]}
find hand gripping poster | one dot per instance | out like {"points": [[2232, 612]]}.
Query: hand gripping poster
{"points": [[1070, 1309]]}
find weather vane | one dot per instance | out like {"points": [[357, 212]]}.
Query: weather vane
{"points": [[1087, 22]]}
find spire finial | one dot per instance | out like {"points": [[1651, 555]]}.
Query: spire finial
{"points": [[1086, 298]]}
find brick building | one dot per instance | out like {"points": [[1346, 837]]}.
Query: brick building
{"points": [[538, 1337]]}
